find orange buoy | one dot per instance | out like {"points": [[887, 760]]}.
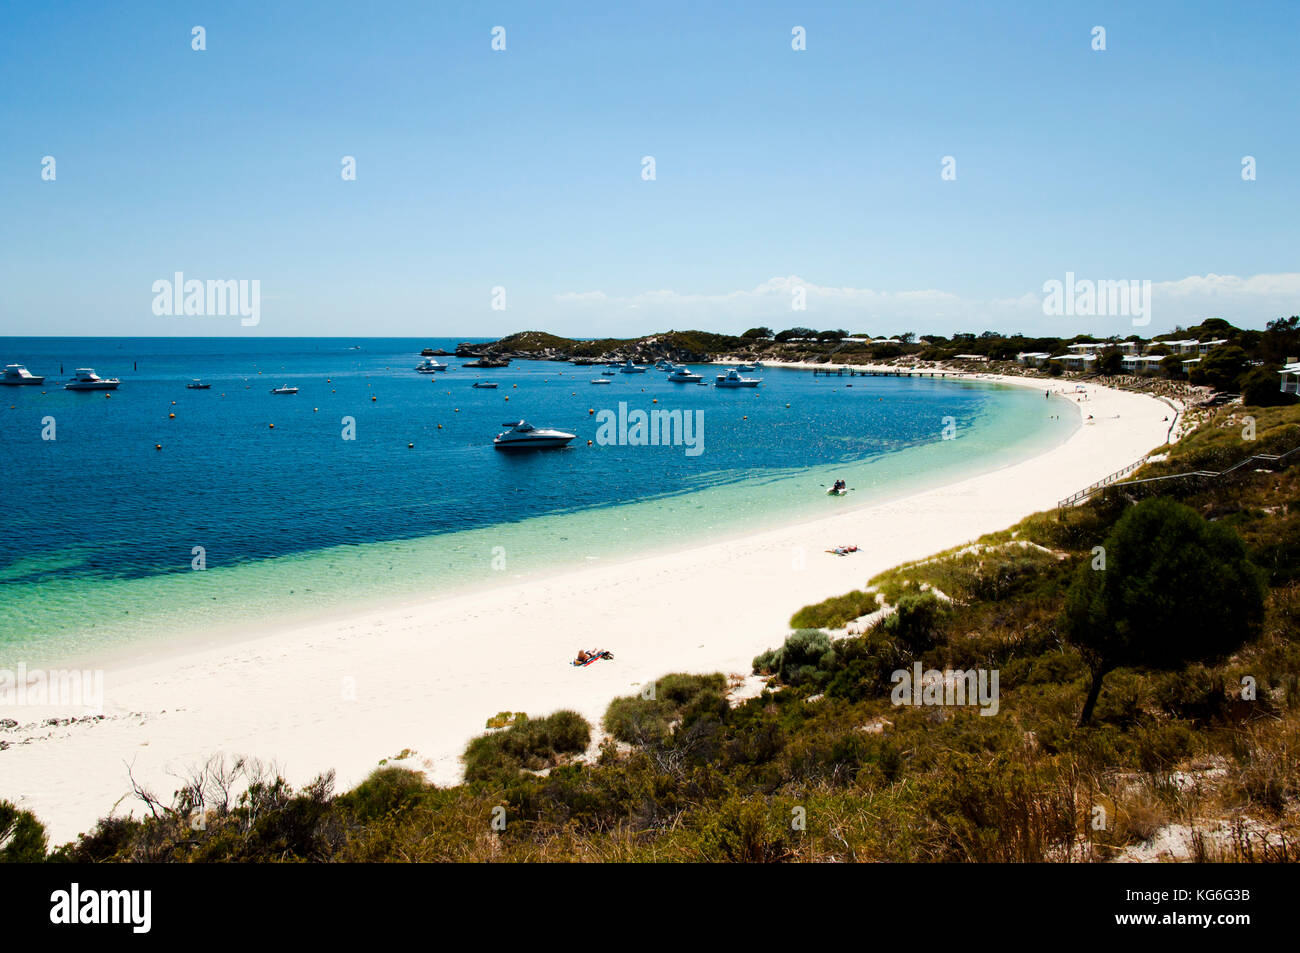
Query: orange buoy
{"points": [[272, 426], [373, 397], [589, 443], [157, 446], [171, 416]]}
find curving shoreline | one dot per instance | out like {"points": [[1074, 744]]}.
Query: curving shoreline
{"points": [[345, 692]]}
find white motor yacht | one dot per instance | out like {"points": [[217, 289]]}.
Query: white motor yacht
{"points": [[17, 374], [630, 368], [684, 375], [733, 379], [284, 390], [430, 366], [524, 436], [87, 379]]}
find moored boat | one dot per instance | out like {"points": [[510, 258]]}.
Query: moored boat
{"points": [[87, 379], [524, 436], [733, 379], [684, 375], [17, 375]]}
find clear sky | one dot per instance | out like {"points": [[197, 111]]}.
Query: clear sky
{"points": [[522, 168]]}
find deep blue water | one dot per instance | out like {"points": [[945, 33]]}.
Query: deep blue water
{"points": [[224, 476]]}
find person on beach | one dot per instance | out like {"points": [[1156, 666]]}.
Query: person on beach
{"points": [[583, 655]]}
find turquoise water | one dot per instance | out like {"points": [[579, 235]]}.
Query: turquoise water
{"points": [[99, 527]]}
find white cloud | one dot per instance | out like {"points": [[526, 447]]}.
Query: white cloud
{"points": [[1246, 302]]}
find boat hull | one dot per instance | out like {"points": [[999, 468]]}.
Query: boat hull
{"points": [[543, 443]]}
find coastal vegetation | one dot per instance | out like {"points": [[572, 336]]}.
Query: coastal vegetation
{"points": [[1191, 740], [1241, 360]]}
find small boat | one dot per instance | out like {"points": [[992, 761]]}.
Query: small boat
{"points": [[630, 368], [16, 374], [602, 380], [684, 375], [608, 373], [284, 390], [197, 384], [841, 491], [524, 436], [663, 365], [87, 379], [430, 366], [487, 385], [746, 367], [733, 379]]}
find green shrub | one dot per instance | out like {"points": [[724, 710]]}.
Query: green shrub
{"points": [[641, 720], [802, 659], [835, 612], [385, 790], [528, 744], [22, 836]]}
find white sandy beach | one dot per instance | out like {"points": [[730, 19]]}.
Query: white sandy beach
{"points": [[346, 692]]}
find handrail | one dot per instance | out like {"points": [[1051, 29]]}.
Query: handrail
{"points": [[1276, 459], [1104, 481]]}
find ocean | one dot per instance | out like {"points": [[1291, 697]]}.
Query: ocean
{"points": [[256, 507]]}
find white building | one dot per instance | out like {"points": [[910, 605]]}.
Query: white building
{"points": [[1290, 374], [1033, 358], [1077, 361], [1138, 364]]}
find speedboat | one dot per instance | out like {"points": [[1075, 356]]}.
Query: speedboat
{"points": [[684, 375], [746, 367], [630, 368], [524, 436], [607, 373], [197, 384], [491, 385], [602, 380], [733, 379], [87, 379], [663, 365], [284, 390], [17, 374], [430, 366]]}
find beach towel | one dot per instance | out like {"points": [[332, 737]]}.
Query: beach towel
{"points": [[594, 657]]}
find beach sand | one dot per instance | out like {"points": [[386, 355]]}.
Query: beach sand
{"points": [[346, 691]]}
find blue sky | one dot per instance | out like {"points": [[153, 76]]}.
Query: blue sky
{"points": [[522, 168]]}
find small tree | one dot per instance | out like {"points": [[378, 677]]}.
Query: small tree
{"points": [[1260, 387], [1110, 361], [1220, 368], [1175, 590], [22, 836]]}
